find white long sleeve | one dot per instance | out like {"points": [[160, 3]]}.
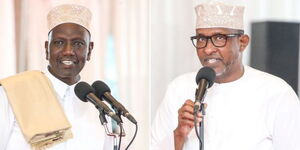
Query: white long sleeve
{"points": [[256, 112], [6, 119]]}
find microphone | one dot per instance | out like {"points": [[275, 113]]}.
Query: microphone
{"points": [[103, 91], [204, 79], [86, 93]]}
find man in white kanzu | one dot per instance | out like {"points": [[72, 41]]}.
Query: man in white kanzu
{"points": [[247, 109], [68, 48]]}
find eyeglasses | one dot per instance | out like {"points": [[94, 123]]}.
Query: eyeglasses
{"points": [[218, 40]]}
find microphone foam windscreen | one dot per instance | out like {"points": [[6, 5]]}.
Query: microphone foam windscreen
{"points": [[82, 89], [206, 73], [100, 88]]}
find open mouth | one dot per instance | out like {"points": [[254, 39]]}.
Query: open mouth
{"points": [[212, 60], [68, 62]]}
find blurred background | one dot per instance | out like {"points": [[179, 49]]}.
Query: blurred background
{"points": [[140, 45], [173, 23], [120, 31]]}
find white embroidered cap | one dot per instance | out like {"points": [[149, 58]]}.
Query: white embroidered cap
{"points": [[216, 14], [69, 13]]}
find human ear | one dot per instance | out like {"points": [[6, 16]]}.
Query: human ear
{"points": [[46, 50], [91, 46], [244, 41]]}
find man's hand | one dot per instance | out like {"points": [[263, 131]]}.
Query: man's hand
{"points": [[185, 123]]}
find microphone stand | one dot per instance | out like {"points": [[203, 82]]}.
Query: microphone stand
{"points": [[200, 133], [201, 124], [107, 131], [122, 131]]}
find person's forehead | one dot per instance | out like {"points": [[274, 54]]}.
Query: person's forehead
{"points": [[69, 29], [211, 31]]}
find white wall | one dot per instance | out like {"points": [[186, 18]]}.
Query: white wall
{"points": [[7, 40]]}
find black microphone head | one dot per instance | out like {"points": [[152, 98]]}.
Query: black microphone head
{"points": [[82, 89], [206, 73], [100, 88]]}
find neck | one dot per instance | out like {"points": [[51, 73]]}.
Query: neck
{"points": [[70, 81], [67, 80], [235, 75]]}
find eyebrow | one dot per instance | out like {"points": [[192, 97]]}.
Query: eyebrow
{"points": [[75, 37], [215, 33]]}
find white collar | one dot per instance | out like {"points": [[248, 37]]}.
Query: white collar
{"points": [[59, 86]]}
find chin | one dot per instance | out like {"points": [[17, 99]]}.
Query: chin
{"points": [[67, 74], [220, 73]]}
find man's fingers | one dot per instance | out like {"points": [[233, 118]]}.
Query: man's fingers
{"points": [[189, 102], [205, 105], [188, 106], [186, 122], [199, 115], [190, 116], [187, 115]]}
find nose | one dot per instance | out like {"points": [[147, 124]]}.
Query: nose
{"points": [[210, 48], [68, 49]]}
